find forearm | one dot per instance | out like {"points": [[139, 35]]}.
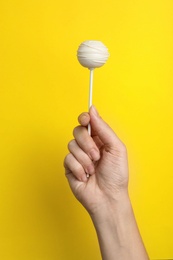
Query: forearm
{"points": [[117, 232]]}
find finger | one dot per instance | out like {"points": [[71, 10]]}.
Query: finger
{"points": [[81, 157], [84, 119], [86, 142], [101, 129], [73, 166], [73, 182], [97, 141]]}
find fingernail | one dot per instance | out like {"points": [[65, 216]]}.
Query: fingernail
{"points": [[94, 155], [90, 170], [84, 178]]}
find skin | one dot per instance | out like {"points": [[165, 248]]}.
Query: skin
{"points": [[105, 193]]}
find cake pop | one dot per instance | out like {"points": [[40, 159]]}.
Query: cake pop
{"points": [[92, 54]]}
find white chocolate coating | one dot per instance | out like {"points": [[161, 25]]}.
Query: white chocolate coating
{"points": [[92, 54]]}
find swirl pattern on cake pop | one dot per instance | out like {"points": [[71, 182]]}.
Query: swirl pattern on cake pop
{"points": [[92, 54]]}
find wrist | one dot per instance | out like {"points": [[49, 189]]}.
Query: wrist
{"points": [[117, 230], [111, 209]]}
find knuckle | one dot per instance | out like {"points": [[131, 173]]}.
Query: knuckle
{"points": [[66, 160], [71, 144], [76, 130]]}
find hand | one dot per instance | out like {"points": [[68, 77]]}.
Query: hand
{"points": [[104, 194], [103, 156]]}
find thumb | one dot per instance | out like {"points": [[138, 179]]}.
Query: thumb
{"points": [[101, 129]]}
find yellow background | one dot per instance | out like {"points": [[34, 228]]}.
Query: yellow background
{"points": [[43, 88]]}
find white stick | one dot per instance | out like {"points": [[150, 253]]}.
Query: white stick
{"points": [[90, 95]]}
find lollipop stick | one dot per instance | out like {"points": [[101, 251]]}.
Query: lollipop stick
{"points": [[90, 95]]}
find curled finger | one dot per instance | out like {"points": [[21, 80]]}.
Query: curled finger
{"points": [[73, 166], [86, 142], [81, 157]]}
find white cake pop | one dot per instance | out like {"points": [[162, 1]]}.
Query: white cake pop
{"points": [[92, 54]]}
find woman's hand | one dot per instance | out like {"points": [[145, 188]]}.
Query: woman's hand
{"points": [[103, 157], [104, 194]]}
